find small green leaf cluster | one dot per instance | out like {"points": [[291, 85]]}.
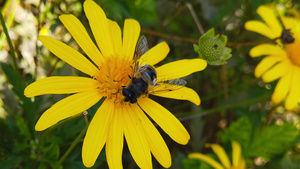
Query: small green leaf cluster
{"points": [[212, 48]]}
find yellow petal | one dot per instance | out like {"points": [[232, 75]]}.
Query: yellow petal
{"points": [[268, 15], [116, 37], [97, 132], [115, 141], [220, 152], [156, 54], [242, 164], [131, 34], [180, 68], [157, 144], [206, 159], [81, 36], [136, 140], [293, 97], [261, 28], [69, 55], [293, 24], [236, 154], [282, 88], [166, 120], [267, 49], [266, 64], [67, 107], [276, 71], [100, 27], [60, 85], [182, 93]]}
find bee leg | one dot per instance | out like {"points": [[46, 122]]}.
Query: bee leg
{"points": [[129, 76]]}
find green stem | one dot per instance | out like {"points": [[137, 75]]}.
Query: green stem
{"points": [[12, 51], [70, 149], [197, 114]]}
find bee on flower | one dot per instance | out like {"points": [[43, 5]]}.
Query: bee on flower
{"points": [[122, 73], [282, 60]]}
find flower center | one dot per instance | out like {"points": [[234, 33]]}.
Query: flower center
{"points": [[113, 75], [293, 52]]}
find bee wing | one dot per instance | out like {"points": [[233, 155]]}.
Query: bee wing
{"points": [[140, 49], [167, 86]]}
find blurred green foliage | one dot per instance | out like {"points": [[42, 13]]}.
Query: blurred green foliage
{"points": [[235, 105]]}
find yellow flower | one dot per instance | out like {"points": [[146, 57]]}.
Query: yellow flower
{"points": [[281, 62], [237, 160], [111, 64]]}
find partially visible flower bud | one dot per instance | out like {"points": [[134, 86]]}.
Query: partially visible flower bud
{"points": [[213, 48]]}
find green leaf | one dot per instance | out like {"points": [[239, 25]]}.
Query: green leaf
{"points": [[23, 127], [275, 139], [11, 162], [240, 131], [52, 152], [256, 142], [191, 163], [17, 83]]}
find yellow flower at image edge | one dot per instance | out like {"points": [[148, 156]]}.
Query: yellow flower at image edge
{"points": [[108, 74], [281, 63], [237, 160]]}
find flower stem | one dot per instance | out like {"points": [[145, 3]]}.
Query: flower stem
{"points": [[193, 13], [70, 149], [189, 40], [198, 114], [12, 51]]}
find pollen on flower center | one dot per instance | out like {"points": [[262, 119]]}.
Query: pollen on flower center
{"points": [[293, 52], [113, 75]]}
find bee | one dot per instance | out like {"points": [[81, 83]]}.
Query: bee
{"points": [[286, 36], [144, 77]]}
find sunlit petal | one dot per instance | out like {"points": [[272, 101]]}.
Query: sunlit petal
{"points": [[60, 85], [282, 88], [166, 120], [293, 97], [236, 154], [267, 49], [70, 106], [97, 132], [100, 27], [261, 28], [220, 152], [69, 55], [115, 140], [182, 93], [266, 64], [276, 71], [135, 138], [81, 36], [157, 144], [131, 34], [268, 15], [293, 24], [156, 54], [180, 68], [206, 159], [116, 37]]}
